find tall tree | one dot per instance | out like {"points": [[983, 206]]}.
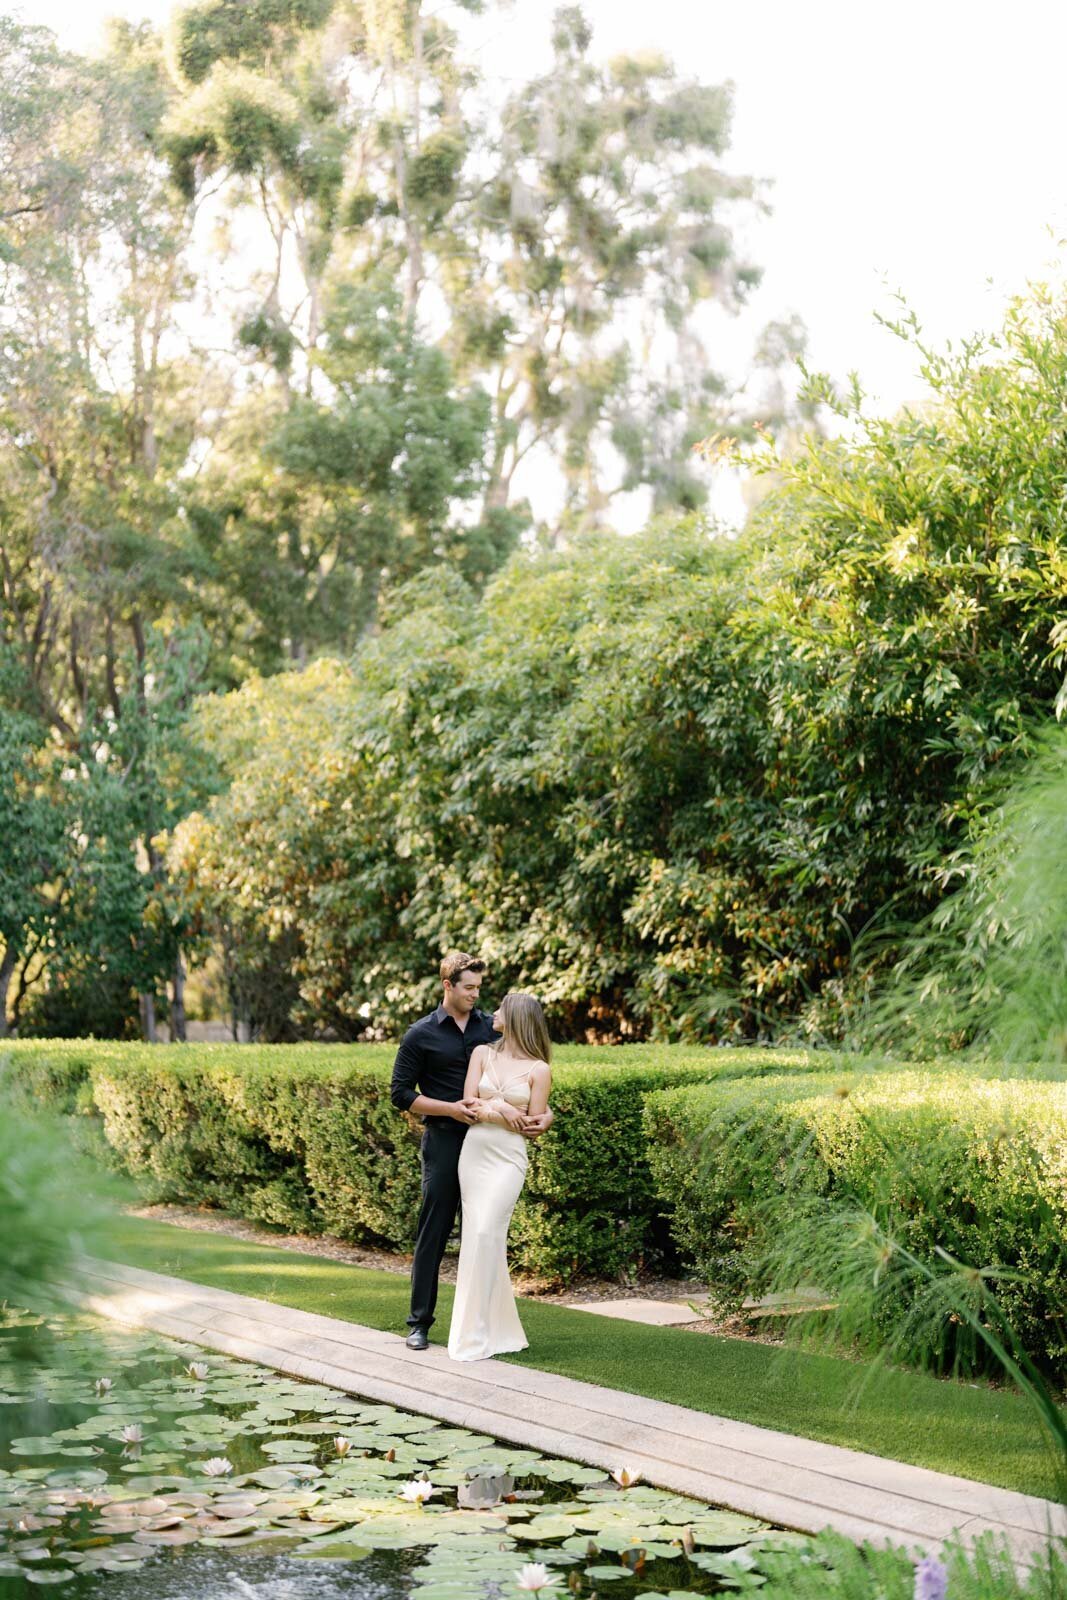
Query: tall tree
{"points": [[338, 129], [99, 404], [341, 493], [32, 830], [559, 247], [602, 227]]}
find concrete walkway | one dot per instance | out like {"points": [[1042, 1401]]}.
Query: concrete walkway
{"points": [[796, 1482], [653, 1313]]}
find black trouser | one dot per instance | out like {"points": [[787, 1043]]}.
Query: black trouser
{"points": [[442, 1141]]}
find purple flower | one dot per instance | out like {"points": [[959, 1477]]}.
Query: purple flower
{"points": [[931, 1579]]}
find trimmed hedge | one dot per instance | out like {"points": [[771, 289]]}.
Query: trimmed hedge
{"points": [[305, 1136], [976, 1165]]}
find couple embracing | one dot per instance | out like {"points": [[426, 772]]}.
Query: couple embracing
{"points": [[481, 1084]]}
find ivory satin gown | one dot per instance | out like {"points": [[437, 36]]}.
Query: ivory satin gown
{"points": [[492, 1169]]}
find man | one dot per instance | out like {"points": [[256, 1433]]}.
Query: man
{"points": [[428, 1079]]}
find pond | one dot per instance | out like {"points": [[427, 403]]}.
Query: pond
{"points": [[135, 1465]]}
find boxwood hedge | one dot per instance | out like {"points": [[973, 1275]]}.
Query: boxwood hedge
{"points": [[305, 1136], [975, 1165]]}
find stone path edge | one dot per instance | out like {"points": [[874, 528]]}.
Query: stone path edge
{"points": [[796, 1482]]}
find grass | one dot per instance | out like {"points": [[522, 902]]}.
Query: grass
{"points": [[972, 1431]]}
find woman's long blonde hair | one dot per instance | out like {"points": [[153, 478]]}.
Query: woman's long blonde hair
{"points": [[524, 1026]]}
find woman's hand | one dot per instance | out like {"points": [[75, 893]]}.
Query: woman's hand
{"points": [[508, 1114]]}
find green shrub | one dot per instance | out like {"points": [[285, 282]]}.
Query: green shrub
{"points": [[975, 1167], [713, 1179], [305, 1136]]}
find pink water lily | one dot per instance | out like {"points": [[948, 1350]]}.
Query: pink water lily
{"points": [[132, 1433]]}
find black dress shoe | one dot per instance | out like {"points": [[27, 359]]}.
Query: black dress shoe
{"points": [[417, 1339]]}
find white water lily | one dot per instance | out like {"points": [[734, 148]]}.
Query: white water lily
{"points": [[198, 1371], [625, 1477], [342, 1445], [418, 1490], [535, 1576], [103, 1386], [132, 1433], [216, 1467]]}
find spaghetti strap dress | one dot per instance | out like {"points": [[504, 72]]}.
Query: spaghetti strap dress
{"points": [[492, 1170]]}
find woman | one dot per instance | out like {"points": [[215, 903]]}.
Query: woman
{"points": [[507, 1082]]}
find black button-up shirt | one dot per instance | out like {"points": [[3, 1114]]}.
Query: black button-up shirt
{"points": [[434, 1056]]}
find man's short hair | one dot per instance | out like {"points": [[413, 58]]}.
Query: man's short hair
{"points": [[456, 962]]}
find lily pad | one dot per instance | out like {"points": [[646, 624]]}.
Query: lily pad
{"points": [[333, 1550], [725, 1529], [272, 1477], [289, 1450], [569, 1472], [546, 1527]]}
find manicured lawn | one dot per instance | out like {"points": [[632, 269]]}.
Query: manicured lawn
{"points": [[975, 1432]]}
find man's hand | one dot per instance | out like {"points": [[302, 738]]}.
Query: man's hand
{"points": [[534, 1127], [464, 1111]]}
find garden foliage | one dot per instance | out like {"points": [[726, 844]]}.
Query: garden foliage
{"points": [[667, 782], [54, 1204], [979, 1569], [988, 967]]}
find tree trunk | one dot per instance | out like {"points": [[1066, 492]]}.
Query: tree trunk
{"points": [[177, 1002], [408, 221], [25, 982], [7, 968], [147, 1001]]}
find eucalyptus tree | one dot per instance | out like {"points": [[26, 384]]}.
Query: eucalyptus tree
{"points": [[99, 404], [339, 128], [336, 122], [559, 246], [603, 223]]}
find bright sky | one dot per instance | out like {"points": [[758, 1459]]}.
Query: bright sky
{"points": [[918, 145]]}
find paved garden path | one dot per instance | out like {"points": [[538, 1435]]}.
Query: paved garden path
{"points": [[797, 1482]]}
